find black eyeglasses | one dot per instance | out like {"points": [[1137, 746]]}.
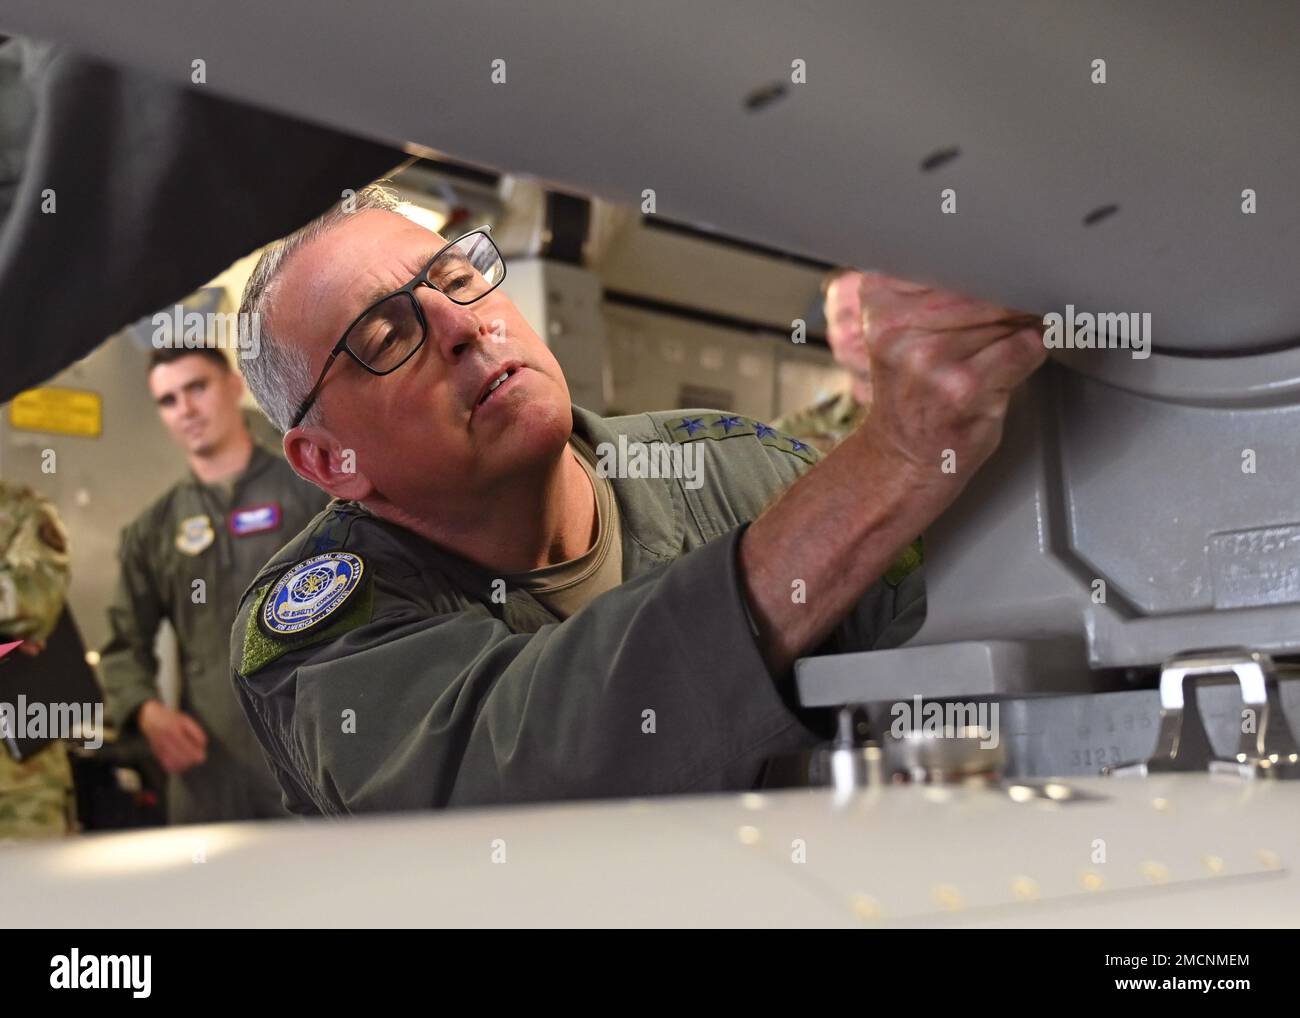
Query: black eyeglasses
{"points": [[390, 331]]}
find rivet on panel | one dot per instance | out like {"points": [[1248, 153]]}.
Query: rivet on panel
{"points": [[1268, 859], [866, 907], [1157, 873], [947, 896], [1025, 888]]}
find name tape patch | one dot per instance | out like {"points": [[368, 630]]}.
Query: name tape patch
{"points": [[255, 519]]}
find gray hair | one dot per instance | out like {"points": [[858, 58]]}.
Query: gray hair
{"points": [[279, 377]]}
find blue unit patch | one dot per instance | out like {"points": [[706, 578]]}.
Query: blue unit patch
{"points": [[309, 593]]}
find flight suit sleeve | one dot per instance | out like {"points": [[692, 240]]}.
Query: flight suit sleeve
{"points": [[128, 665], [656, 686]]}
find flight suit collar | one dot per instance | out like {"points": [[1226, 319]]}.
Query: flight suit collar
{"points": [[258, 463], [521, 611], [651, 511]]}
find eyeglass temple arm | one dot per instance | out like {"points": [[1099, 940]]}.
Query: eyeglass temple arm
{"points": [[320, 380]]}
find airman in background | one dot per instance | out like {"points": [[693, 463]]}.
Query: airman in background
{"points": [[825, 423], [187, 558]]}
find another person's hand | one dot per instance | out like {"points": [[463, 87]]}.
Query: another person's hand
{"points": [[943, 368], [176, 739]]}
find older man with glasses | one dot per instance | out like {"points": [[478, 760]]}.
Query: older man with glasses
{"points": [[481, 616]]}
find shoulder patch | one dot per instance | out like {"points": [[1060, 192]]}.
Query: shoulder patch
{"points": [[693, 427], [195, 535], [313, 601], [309, 592]]}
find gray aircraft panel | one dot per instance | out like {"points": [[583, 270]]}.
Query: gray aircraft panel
{"points": [[1198, 105]]}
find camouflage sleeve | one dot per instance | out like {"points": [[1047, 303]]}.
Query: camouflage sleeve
{"points": [[792, 423], [34, 575], [36, 795], [809, 424], [127, 662]]}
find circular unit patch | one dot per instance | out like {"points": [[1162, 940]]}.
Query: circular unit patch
{"points": [[310, 592]]}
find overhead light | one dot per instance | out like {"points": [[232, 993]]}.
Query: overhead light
{"points": [[422, 215]]}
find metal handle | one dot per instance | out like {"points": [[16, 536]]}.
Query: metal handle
{"points": [[1252, 671]]}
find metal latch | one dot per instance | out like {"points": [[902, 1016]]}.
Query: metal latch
{"points": [[1267, 751]]}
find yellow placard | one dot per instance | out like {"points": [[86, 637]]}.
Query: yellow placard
{"points": [[59, 411]]}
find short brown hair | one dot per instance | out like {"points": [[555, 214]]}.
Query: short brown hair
{"points": [[171, 354], [834, 274]]}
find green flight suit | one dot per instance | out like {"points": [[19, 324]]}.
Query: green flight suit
{"points": [[220, 536], [422, 686]]}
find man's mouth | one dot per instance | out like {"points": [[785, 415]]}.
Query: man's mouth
{"points": [[495, 382]]}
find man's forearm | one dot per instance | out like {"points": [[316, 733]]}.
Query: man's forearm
{"points": [[831, 534]]}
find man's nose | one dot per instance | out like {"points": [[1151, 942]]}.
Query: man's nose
{"points": [[454, 329]]}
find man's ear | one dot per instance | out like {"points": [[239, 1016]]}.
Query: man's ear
{"points": [[317, 456]]}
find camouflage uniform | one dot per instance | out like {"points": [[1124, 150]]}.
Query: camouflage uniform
{"points": [[35, 794], [824, 424]]}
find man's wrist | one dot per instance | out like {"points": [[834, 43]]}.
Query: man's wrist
{"points": [[146, 711], [923, 488]]}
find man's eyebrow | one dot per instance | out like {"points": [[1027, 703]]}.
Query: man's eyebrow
{"points": [[378, 293]]}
